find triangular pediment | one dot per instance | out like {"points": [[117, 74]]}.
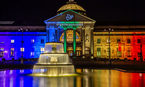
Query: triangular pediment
{"points": [[69, 15]]}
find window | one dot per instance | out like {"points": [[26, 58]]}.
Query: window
{"points": [[1, 52], [108, 40], [138, 41], [12, 41], [2, 49], [108, 49], [98, 51], [42, 41], [139, 54], [32, 53], [12, 52], [70, 53], [54, 48], [22, 41], [12, 49], [128, 41], [118, 52], [128, 53], [98, 41], [118, 40], [32, 41], [22, 49], [77, 37], [42, 49]]}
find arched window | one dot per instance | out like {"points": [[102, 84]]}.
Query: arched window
{"points": [[70, 36]]}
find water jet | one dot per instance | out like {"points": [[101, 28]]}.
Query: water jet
{"points": [[54, 62]]}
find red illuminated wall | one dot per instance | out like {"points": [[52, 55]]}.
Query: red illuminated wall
{"points": [[137, 48]]}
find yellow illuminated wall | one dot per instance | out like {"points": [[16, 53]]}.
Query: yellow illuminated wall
{"points": [[128, 45]]}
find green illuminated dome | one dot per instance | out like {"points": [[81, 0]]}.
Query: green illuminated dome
{"points": [[71, 5]]}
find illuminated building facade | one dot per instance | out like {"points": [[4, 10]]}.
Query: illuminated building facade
{"points": [[125, 42], [79, 34], [21, 41]]}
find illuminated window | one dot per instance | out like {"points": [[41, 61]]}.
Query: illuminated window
{"points": [[12, 41], [98, 41], [22, 49], [77, 37], [42, 49], [69, 34], [138, 41], [32, 53], [98, 51], [119, 52], [108, 40], [1, 52], [32, 40], [71, 53], [42, 41], [1, 48], [12, 49], [78, 53], [128, 41], [12, 52]]}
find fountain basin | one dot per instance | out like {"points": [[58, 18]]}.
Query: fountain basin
{"points": [[54, 62], [54, 58], [53, 70]]}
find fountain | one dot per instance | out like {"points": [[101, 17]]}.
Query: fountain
{"points": [[53, 62]]}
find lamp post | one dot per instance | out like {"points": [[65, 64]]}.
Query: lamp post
{"points": [[109, 40], [22, 42]]}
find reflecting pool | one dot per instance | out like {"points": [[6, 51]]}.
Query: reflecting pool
{"points": [[87, 78]]}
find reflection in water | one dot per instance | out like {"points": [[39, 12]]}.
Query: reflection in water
{"points": [[53, 82], [89, 78]]}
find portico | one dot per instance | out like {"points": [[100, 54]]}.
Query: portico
{"points": [[71, 20]]}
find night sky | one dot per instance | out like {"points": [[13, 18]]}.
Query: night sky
{"points": [[105, 12]]}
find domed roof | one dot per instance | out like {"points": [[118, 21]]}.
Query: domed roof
{"points": [[71, 5]]}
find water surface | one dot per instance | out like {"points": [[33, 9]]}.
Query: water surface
{"points": [[88, 78]]}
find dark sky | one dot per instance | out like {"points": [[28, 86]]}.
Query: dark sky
{"points": [[105, 12]]}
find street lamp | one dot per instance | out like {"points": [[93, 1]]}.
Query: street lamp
{"points": [[109, 40], [22, 42]]}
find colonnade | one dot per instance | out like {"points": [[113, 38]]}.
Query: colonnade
{"points": [[74, 38]]}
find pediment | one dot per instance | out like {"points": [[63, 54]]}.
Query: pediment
{"points": [[69, 15]]}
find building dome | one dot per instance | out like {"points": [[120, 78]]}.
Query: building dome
{"points": [[71, 5]]}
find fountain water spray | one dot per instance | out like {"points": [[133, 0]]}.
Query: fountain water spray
{"points": [[53, 62]]}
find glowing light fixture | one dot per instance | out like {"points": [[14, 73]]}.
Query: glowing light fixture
{"points": [[12, 41], [22, 49]]}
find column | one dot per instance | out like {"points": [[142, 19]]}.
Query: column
{"points": [[92, 43], [83, 39], [74, 41], [65, 41], [47, 30], [56, 35]]}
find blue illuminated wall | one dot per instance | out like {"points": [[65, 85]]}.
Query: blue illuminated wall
{"points": [[33, 42], [53, 33]]}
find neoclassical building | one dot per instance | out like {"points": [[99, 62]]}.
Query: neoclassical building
{"points": [[78, 33]]}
